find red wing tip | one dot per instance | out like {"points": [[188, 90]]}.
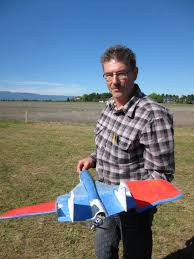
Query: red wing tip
{"points": [[42, 208]]}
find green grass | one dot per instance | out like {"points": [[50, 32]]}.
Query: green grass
{"points": [[38, 163]]}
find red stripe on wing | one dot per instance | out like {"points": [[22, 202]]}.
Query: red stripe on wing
{"points": [[149, 192], [42, 208]]}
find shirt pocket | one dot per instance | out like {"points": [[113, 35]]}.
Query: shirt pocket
{"points": [[124, 143], [125, 151]]}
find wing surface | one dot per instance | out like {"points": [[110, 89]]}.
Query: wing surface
{"points": [[149, 193], [108, 197], [42, 208]]}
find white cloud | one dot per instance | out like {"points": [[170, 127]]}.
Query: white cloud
{"points": [[42, 87]]}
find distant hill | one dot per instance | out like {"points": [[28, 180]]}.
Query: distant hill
{"points": [[6, 95]]}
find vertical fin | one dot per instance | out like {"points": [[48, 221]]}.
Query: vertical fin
{"points": [[121, 196], [71, 206]]}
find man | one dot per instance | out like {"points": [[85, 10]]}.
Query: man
{"points": [[134, 141]]}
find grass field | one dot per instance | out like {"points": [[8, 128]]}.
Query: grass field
{"points": [[37, 163]]}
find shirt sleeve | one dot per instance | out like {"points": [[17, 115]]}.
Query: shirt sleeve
{"points": [[93, 156], [158, 140]]}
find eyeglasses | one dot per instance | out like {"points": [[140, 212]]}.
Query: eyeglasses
{"points": [[120, 75]]}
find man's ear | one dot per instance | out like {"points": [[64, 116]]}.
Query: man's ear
{"points": [[135, 73]]}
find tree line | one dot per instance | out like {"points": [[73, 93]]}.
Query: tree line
{"points": [[94, 97], [160, 98], [172, 98]]}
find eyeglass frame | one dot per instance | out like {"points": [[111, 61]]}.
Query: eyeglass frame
{"points": [[124, 75]]}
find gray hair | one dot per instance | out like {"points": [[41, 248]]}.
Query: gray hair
{"points": [[121, 54]]}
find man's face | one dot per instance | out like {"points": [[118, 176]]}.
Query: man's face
{"points": [[122, 80]]}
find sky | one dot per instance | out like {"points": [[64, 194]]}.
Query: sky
{"points": [[54, 46]]}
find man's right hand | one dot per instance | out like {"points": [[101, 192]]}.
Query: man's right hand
{"points": [[85, 164]]}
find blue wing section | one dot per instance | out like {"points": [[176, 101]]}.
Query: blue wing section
{"points": [[82, 195], [82, 208], [88, 183], [107, 195]]}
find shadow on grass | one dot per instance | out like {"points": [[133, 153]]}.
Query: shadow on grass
{"points": [[186, 253]]}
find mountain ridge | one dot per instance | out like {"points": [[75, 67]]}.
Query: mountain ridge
{"points": [[17, 96]]}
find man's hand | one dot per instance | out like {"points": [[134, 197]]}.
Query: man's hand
{"points": [[85, 164]]}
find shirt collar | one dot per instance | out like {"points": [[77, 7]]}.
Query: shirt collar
{"points": [[130, 106]]}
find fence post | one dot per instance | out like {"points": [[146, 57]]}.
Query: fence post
{"points": [[26, 116]]}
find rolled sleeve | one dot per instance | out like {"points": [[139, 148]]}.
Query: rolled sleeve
{"points": [[93, 156]]}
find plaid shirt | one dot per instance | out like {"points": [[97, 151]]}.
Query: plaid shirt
{"points": [[134, 143]]}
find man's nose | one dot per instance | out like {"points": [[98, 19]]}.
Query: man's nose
{"points": [[115, 79]]}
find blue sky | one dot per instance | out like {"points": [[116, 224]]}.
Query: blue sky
{"points": [[54, 47]]}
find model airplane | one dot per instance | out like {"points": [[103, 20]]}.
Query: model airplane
{"points": [[94, 200]]}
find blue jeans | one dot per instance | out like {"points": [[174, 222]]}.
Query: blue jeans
{"points": [[135, 231]]}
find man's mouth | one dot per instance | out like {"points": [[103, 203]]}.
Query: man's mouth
{"points": [[115, 89]]}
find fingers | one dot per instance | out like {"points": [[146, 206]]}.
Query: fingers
{"points": [[80, 166], [84, 164]]}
